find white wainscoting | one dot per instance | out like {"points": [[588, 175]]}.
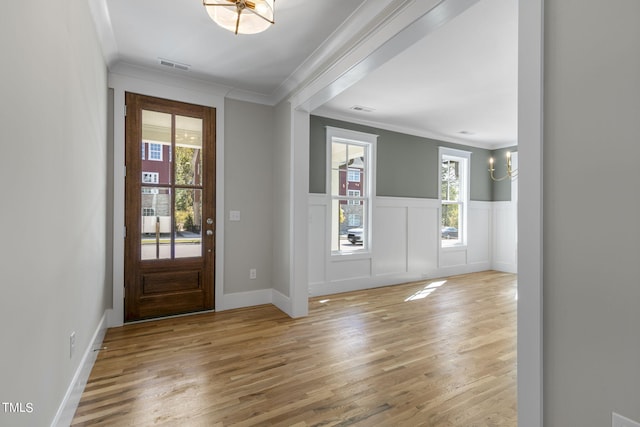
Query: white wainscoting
{"points": [[405, 245], [505, 237], [480, 229]]}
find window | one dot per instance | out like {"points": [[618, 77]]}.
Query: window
{"points": [[350, 181], [155, 151], [144, 146], [150, 177], [148, 212], [353, 175], [454, 195], [355, 194]]}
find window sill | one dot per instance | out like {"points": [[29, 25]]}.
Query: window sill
{"points": [[458, 247], [350, 256]]}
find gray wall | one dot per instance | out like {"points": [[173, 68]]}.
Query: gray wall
{"points": [[591, 229], [407, 165], [249, 146], [53, 167]]}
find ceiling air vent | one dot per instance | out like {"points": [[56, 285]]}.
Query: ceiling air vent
{"points": [[174, 64], [363, 109]]}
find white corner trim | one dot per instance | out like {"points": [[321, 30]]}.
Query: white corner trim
{"points": [[71, 399]]}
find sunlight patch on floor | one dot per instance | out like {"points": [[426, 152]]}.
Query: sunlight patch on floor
{"points": [[426, 291]]}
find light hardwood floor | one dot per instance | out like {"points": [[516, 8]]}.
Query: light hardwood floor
{"points": [[435, 353]]}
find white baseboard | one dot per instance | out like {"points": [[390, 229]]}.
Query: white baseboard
{"points": [[260, 297], [505, 267], [282, 301], [69, 404], [357, 284], [246, 299], [349, 285], [463, 269]]}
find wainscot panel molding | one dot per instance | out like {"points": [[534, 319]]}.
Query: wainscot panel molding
{"points": [[480, 231], [405, 246], [505, 237]]}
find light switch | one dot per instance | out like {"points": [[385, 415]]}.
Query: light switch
{"points": [[234, 215]]}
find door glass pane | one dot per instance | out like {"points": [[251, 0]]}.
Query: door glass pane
{"points": [[188, 151], [155, 238], [156, 147], [188, 214]]}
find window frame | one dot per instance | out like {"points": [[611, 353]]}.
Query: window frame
{"points": [[353, 201], [151, 151], [351, 173], [369, 141], [464, 157], [155, 177]]}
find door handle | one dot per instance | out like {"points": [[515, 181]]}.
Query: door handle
{"points": [[209, 232]]}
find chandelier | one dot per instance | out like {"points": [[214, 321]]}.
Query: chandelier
{"points": [[510, 172], [241, 16]]}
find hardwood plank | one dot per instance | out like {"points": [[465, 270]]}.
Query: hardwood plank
{"points": [[424, 353]]}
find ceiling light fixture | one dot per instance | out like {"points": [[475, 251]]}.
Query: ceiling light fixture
{"points": [[241, 16], [510, 172]]}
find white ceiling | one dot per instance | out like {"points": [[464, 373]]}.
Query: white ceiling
{"points": [[457, 84], [460, 78]]}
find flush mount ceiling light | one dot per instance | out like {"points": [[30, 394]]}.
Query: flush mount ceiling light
{"points": [[241, 16]]}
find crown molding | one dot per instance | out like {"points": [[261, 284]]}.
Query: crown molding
{"points": [[167, 78], [321, 112], [104, 30], [356, 28], [396, 32]]}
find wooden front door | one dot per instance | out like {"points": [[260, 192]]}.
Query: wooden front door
{"points": [[169, 207]]}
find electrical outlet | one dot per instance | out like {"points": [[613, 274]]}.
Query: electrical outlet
{"points": [[253, 273], [618, 420], [72, 344]]}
